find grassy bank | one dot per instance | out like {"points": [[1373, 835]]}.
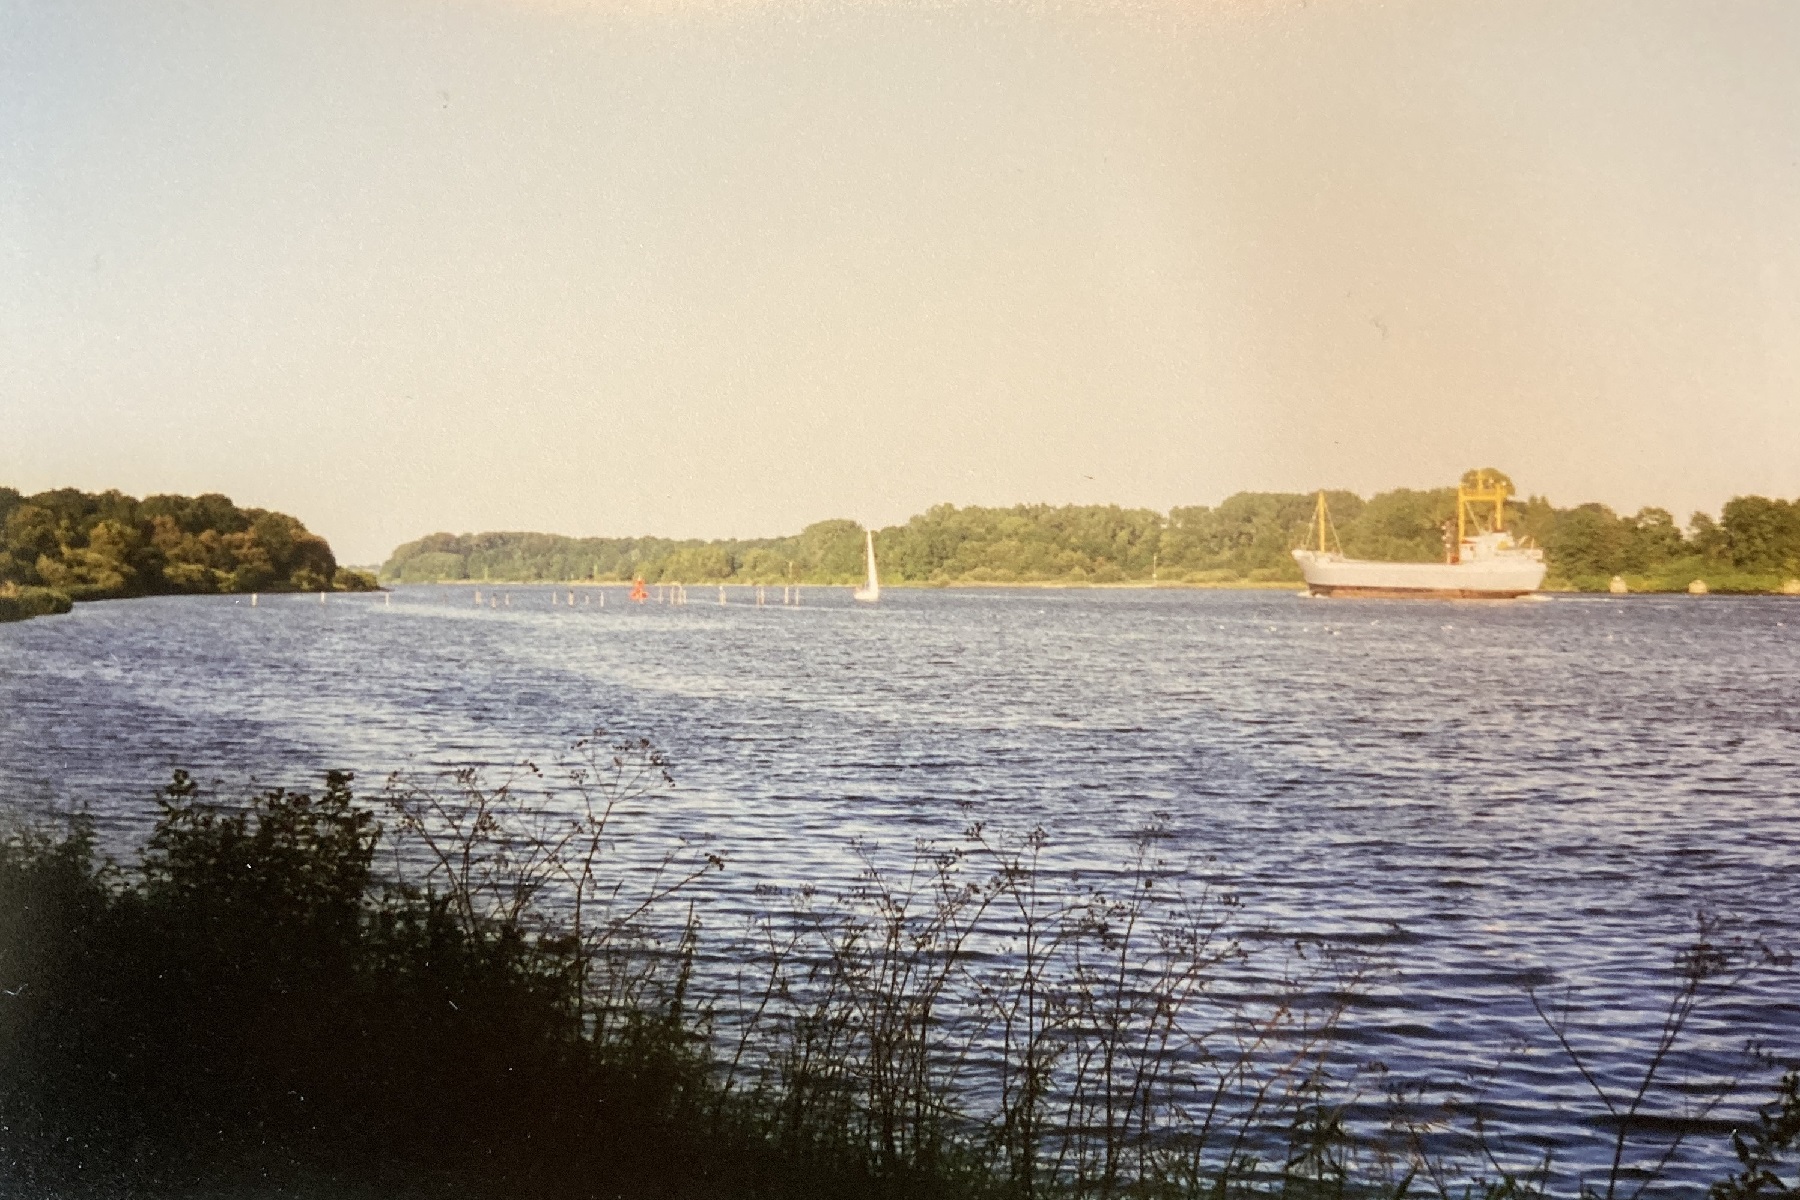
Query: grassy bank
{"points": [[452, 990], [1720, 581]]}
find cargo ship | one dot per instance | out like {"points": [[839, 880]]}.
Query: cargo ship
{"points": [[1484, 562]]}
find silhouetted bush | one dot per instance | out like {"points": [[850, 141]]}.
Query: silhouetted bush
{"points": [[1765, 1150], [457, 991], [255, 998]]}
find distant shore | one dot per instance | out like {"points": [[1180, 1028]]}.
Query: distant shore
{"points": [[906, 585], [1241, 585], [1752, 546]]}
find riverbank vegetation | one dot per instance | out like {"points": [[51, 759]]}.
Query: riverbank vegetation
{"points": [[469, 987], [66, 545], [21, 603], [1753, 546]]}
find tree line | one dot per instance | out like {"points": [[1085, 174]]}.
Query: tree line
{"points": [[1753, 545], [67, 544]]}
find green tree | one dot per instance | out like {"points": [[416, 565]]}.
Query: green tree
{"points": [[1654, 541], [1588, 541], [108, 544], [1761, 534], [1401, 526], [1494, 475]]}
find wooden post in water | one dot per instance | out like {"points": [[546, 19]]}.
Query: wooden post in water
{"points": [[252, 599]]}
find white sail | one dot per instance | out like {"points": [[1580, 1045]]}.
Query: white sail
{"points": [[871, 588]]}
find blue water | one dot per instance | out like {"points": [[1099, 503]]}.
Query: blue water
{"points": [[1476, 794]]}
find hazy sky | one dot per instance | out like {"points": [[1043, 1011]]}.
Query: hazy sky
{"points": [[724, 269]]}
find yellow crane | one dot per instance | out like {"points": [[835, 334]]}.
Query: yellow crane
{"points": [[1470, 498]]}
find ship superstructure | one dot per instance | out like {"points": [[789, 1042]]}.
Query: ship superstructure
{"points": [[1485, 562]]}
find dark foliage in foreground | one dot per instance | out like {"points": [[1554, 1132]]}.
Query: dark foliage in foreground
{"points": [[255, 1004], [1766, 1152], [264, 1001]]}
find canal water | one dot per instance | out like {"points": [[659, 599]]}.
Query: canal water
{"points": [[1481, 796]]}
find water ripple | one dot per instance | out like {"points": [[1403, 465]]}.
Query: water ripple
{"points": [[1490, 796]]}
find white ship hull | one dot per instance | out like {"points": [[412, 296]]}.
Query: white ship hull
{"points": [[1501, 577]]}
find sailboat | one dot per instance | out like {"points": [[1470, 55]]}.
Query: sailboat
{"points": [[870, 591]]}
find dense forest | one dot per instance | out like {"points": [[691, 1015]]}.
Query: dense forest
{"points": [[1754, 545], [65, 545]]}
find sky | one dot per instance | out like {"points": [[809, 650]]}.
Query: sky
{"points": [[726, 268]]}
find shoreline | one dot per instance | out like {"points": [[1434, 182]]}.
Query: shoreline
{"points": [[1142, 585], [909, 585]]}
